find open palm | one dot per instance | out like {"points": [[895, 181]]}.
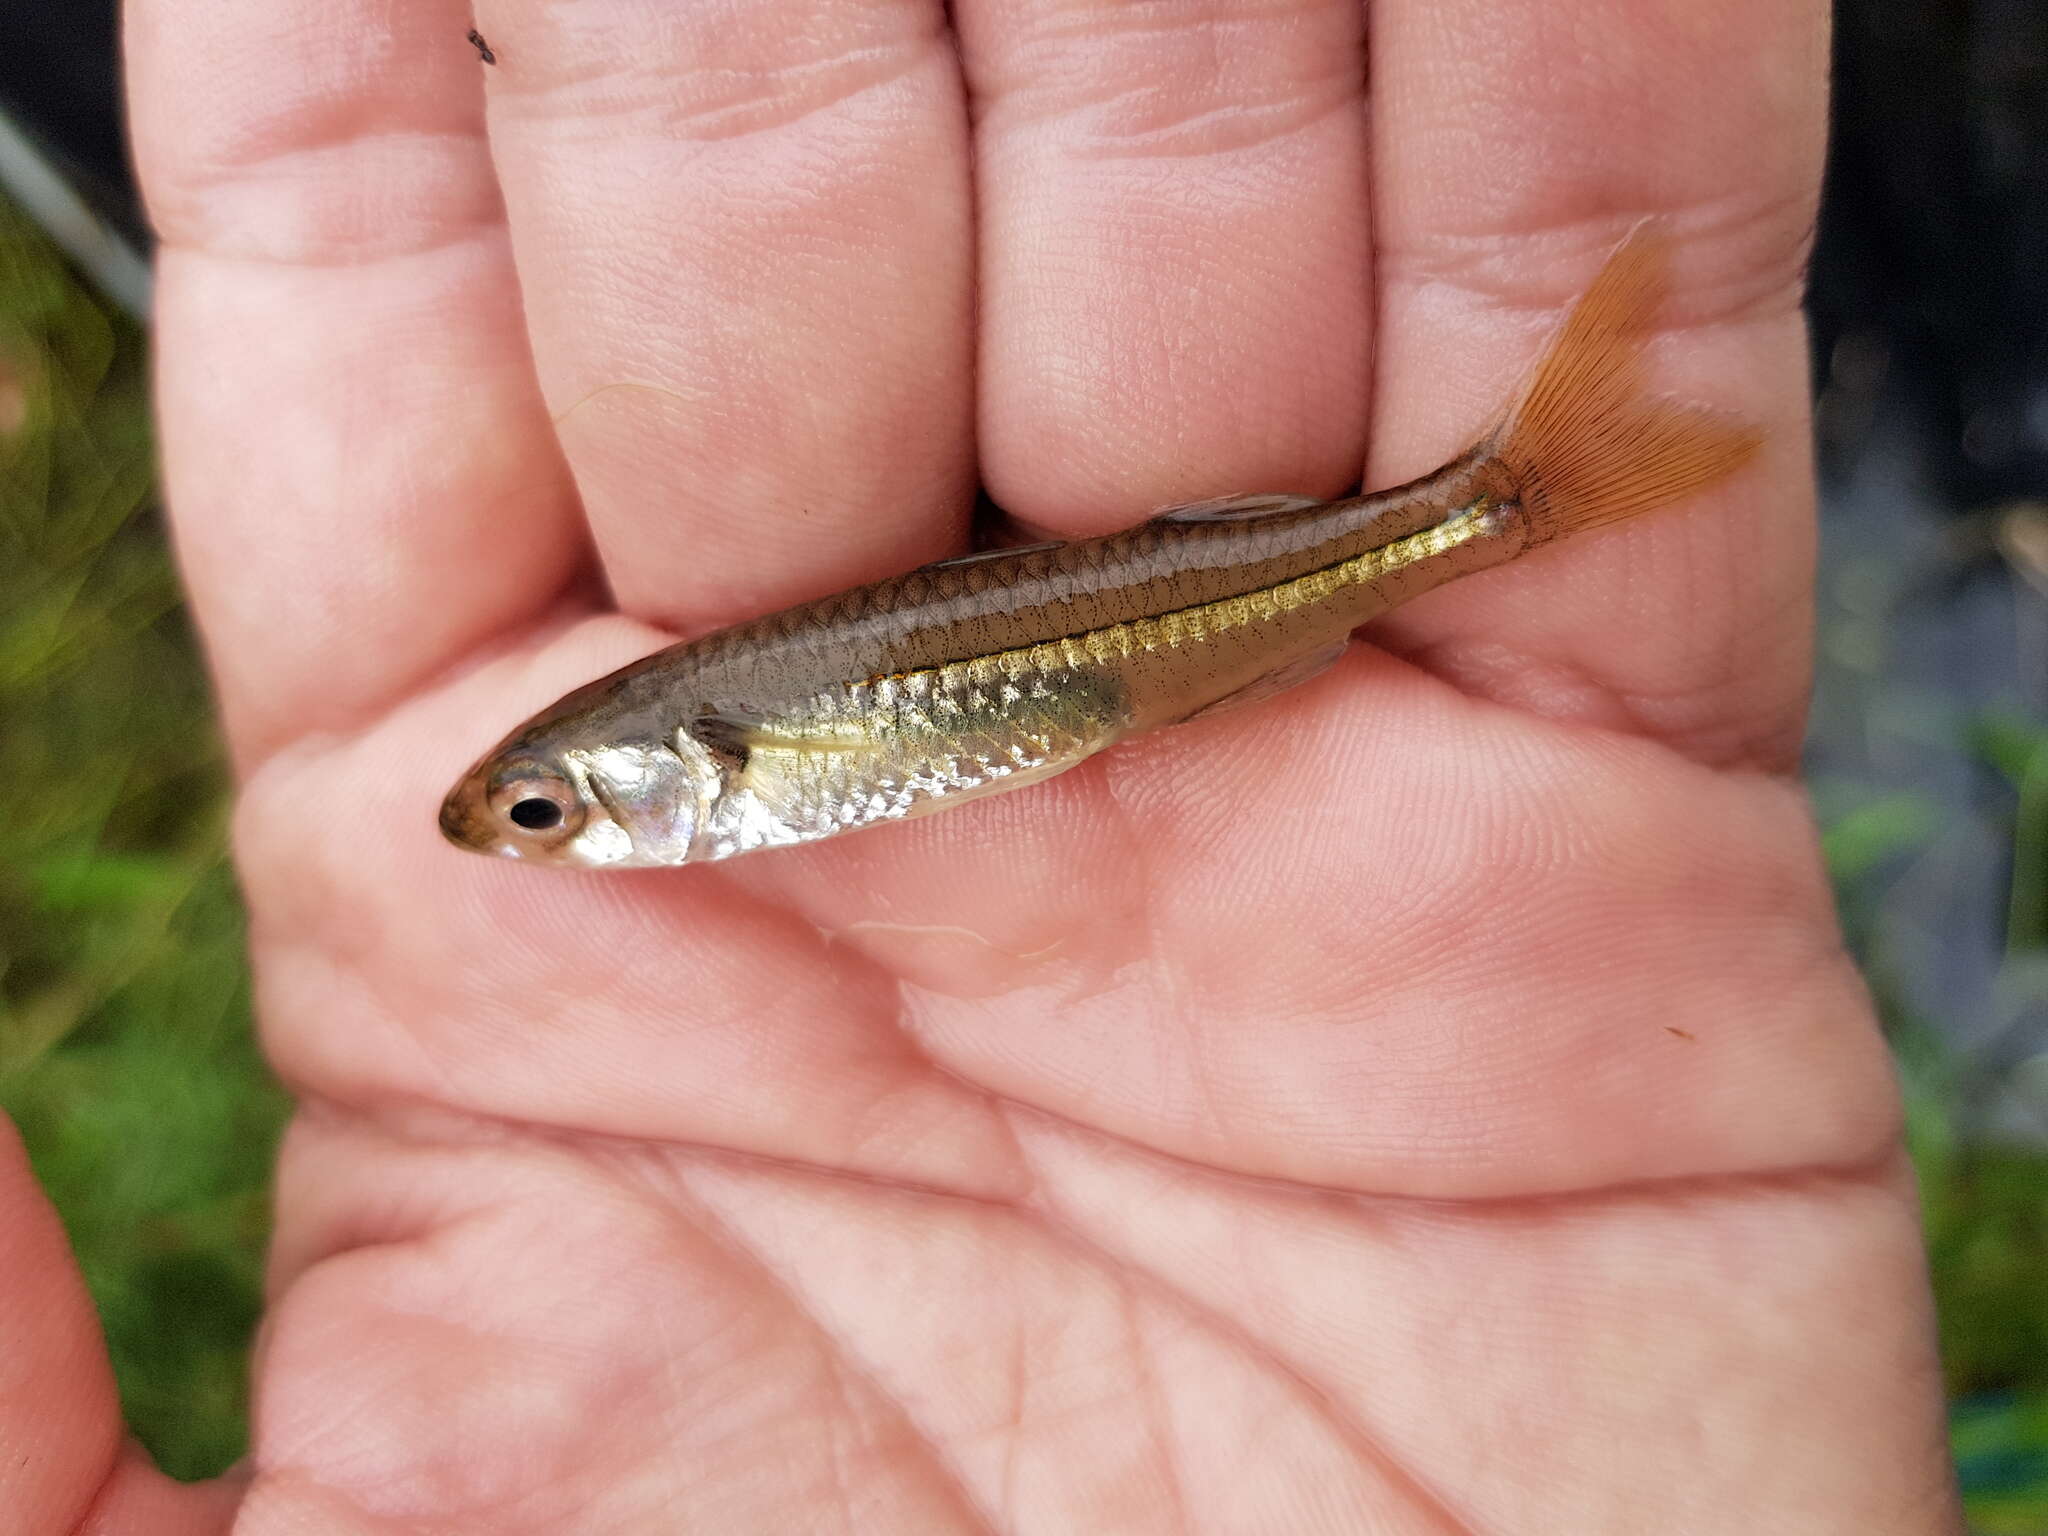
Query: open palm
{"points": [[1434, 1102]]}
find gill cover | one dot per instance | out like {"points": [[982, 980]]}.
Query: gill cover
{"points": [[648, 799]]}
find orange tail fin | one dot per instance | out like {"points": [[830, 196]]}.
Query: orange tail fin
{"points": [[1586, 446]]}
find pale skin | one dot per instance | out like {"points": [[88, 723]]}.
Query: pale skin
{"points": [[1435, 1102]]}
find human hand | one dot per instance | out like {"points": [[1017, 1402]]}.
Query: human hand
{"points": [[1434, 1101]]}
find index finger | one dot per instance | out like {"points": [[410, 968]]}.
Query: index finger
{"points": [[362, 477]]}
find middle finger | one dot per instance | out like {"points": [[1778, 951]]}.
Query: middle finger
{"points": [[743, 233], [1174, 262]]}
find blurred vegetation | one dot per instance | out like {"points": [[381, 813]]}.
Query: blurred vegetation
{"points": [[125, 1048], [1984, 1201]]}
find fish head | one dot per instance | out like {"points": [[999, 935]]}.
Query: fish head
{"points": [[606, 805]]}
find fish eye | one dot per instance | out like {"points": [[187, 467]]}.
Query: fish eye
{"points": [[536, 813], [535, 799]]}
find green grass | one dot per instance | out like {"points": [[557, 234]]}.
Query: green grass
{"points": [[125, 1049]]}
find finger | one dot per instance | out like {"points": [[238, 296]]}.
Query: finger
{"points": [[62, 1466], [743, 238], [361, 474], [1514, 145], [58, 1418], [138, 1500], [1174, 281]]}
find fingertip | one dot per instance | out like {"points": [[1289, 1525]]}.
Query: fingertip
{"points": [[60, 1423]]}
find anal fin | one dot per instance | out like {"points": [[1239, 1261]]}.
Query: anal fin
{"points": [[1277, 681]]}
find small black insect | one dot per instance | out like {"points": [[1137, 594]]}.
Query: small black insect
{"points": [[483, 49]]}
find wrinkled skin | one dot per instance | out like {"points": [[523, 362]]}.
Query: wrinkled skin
{"points": [[1435, 1102]]}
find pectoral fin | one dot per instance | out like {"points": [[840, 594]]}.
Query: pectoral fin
{"points": [[739, 736], [1278, 681]]}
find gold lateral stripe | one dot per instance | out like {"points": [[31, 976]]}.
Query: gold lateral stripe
{"points": [[1184, 626]]}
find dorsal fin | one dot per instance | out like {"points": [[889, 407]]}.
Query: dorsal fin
{"points": [[1225, 509], [989, 554]]}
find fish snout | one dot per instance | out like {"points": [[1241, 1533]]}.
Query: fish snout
{"points": [[467, 819]]}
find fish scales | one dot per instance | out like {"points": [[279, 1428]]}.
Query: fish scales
{"points": [[900, 744]]}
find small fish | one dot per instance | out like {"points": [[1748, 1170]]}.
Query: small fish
{"points": [[993, 671], [483, 49]]}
